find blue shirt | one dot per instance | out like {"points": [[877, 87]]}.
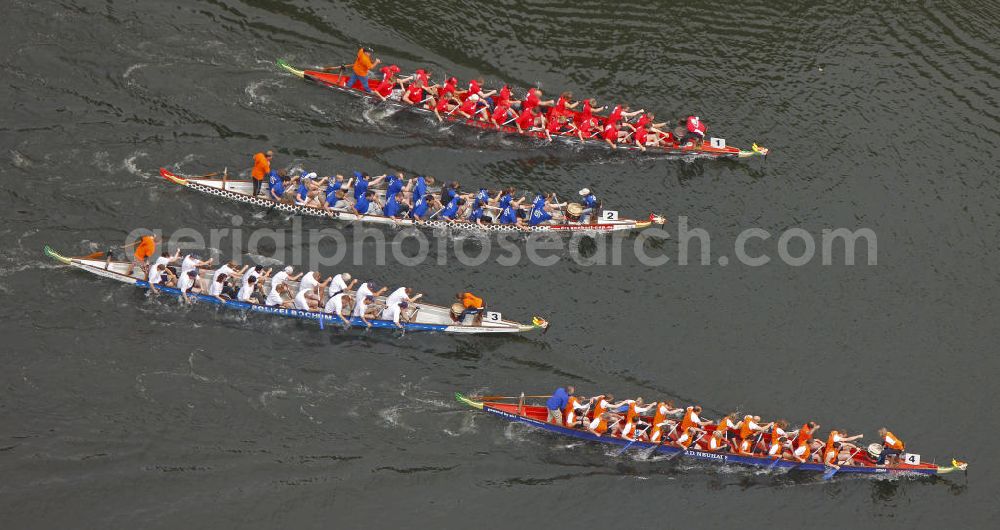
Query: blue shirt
{"points": [[360, 186], [508, 216], [483, 195], [362, 205], [395, 184], [539, 202], [273, 178], [420, 207], [391, 208], [505, 200], [558, 400], [451, 210], [303, 192], [590, 201], [420, 188], [476, 214], [448, 195], [277, 189], [539, 216]]}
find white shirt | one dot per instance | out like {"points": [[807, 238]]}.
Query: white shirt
{"points": [[360, 307], [274, 298], [277, 280], [694, 417], [160, 261], [251, 273], [185, 283], [335, 304], [338, 284], [308, 282], [397, 296], [245, 292], [392, 312], [301, 302], [225, 269], [188, 264], [155, 276], [364, 291], [216, 288]]}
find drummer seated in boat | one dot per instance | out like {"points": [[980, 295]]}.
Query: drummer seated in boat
{"points": [[892, 447], [471, 305]]}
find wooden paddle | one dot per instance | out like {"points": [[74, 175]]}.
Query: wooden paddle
{"points": [[484, 398]]}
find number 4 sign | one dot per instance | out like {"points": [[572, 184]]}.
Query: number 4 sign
{"points": [[911, 458]]}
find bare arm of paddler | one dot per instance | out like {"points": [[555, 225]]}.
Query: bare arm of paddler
{"points": [[629, 114]]}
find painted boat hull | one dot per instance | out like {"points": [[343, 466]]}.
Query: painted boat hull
{"points": [[96, 266], [339, 83], [536, 416]]}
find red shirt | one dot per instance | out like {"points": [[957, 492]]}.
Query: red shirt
{"points": [[587, 109], [561, 104], [526, 119], [442, 104], [504, 93], [531, 100], [415, 93], [448, 88], [586, 123], [384, 88], [640, 135], [616, 114], [610, 132], [474, 87], [468, 106], [643, 120], [500, 113], [553, 125], [422, 76]]}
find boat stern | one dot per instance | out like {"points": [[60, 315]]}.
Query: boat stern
{"points": [[171, 177], [56, 256]]}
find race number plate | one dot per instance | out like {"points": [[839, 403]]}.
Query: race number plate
{"points": [[609, 215], [493, 316], [719, 143], [911, 458]]}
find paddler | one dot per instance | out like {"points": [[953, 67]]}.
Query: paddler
{"points": [[691, 425], [629, 429], [891, 447], [473, 305], [261, 167], [575, 412], [359, 69], [777, 439], [159, 274], [145, 247], [414, 94], [836, 443], [533, 99], [557, 402], [188, 284], [340, 304], [526, 120], [803, 443], [384, 89], [396, 313], [750, 433], [661, 420]]}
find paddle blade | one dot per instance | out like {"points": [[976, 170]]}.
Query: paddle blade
{"points": [[95, 255], [830, 473]]}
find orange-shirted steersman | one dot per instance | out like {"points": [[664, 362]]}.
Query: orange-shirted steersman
{"points": [[261, 167]]}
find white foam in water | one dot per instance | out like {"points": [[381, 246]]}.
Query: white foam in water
{"points": [[19, 160], [391, 418], [131, 166]]}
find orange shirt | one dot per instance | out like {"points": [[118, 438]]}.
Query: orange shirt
{"points": [[261, 166], [363, 63], [471, 301], [146, 247]]}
